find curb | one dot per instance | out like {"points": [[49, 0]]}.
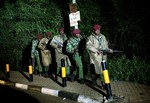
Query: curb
{"points": [[57, 93]]}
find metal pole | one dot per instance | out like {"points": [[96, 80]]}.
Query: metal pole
{"points": [[63, 72], [106, 79], [7, 71], [31, 73]]}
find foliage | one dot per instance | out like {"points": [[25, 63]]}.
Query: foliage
{"points": [[90, 14], [134, 70], [128, 32], [21, 27]]}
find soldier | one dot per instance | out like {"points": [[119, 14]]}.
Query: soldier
{"points": [[57, 43], [72, 47], [45, 54], [95, 43], [36, 63]]}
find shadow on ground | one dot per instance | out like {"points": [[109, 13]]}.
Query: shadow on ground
{"points": [[13, 95]]}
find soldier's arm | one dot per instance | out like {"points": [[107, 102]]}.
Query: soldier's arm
{"points": [[69, 47]]}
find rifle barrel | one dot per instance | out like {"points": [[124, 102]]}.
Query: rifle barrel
{"points": [[117, 51], [114, 51]]}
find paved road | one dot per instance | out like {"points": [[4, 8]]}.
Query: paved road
{"points": [[132, 92]]}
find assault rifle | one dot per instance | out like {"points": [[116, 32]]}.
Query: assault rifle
{"points": [[107, 51]]}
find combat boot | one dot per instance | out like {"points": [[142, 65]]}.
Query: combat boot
{"points": [[39, 73], [94, 80], [72, 77], [103, 85], [81, 81], [45, 74], [35, 72]]}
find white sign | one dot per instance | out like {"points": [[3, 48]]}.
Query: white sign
{"points": [[73, 1], [74, 18], [73, 23]]}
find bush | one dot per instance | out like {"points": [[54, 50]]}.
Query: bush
{"points": [[134, 70]]}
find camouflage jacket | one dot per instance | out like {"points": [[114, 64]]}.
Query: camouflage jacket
{"points": [[73, 45], [34, 50]]}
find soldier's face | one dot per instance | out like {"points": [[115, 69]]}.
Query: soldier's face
{"points": [[47, 36], [97, 31], [61, 32], [77, 35]]}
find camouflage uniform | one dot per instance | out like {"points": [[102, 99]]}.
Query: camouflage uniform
{"points": [[36, 57], [72, 47]]}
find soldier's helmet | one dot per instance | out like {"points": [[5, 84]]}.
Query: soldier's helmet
{"points": [[96, 26], [48, 34], [39, 36], [61, 29]]}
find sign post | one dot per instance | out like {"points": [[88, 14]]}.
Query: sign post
{"points": [[74, 15]]}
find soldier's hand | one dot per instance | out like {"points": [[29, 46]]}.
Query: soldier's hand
{"points": [[76, 50], [110, 50], [99, 52], [59, 46]]}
